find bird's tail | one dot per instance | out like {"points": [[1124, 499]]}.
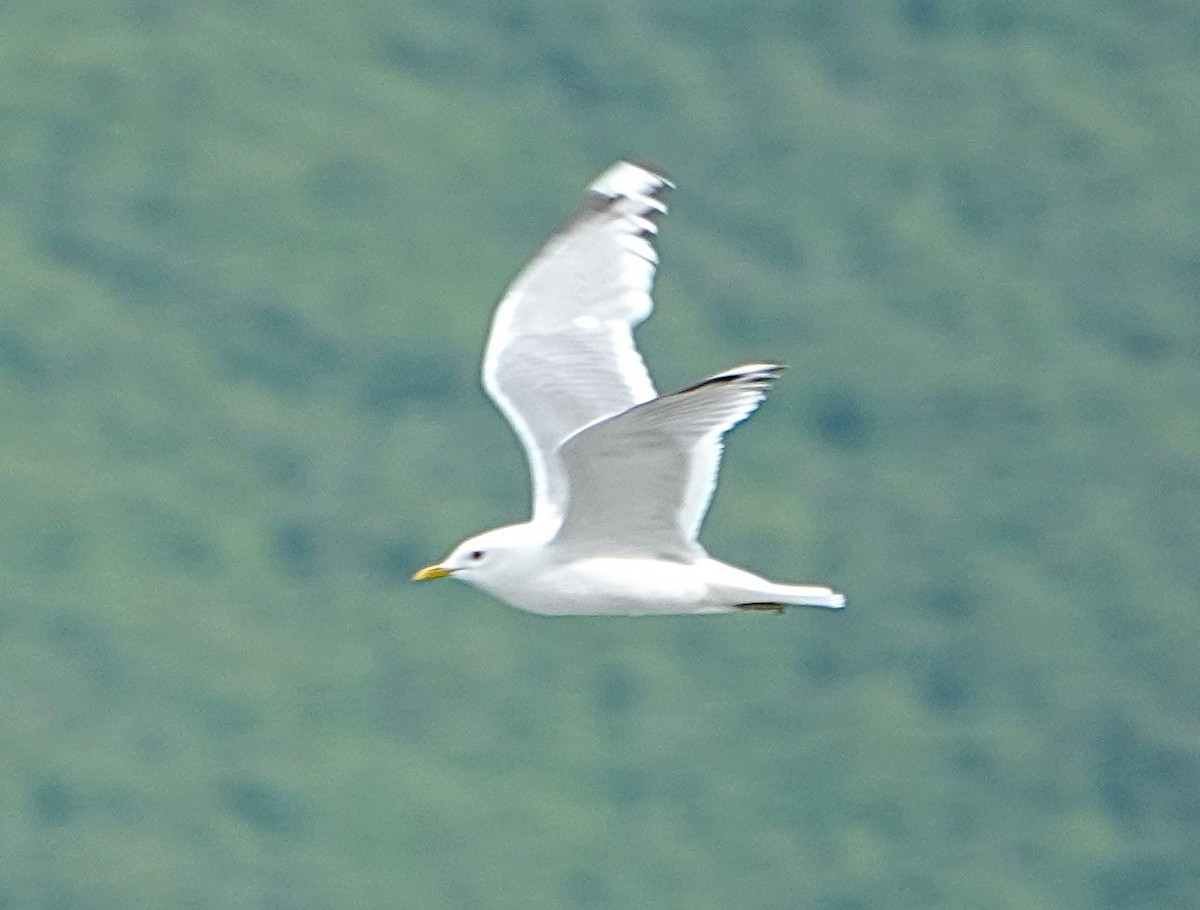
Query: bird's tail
{"points": [[741, 590], [808, 596]]}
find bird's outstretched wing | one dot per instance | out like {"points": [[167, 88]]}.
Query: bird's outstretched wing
{"points": [[639, 483], [561, 355]]}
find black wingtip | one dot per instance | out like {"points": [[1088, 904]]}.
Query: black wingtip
{"points": [[754, 374]]}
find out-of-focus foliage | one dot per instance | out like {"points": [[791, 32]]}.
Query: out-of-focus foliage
{"points": [[249, 253]]}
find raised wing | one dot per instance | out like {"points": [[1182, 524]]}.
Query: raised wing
{"points": [[561, 355], [640, 482]]}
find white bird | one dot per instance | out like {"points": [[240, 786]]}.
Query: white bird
{"points": [[622, 476]]}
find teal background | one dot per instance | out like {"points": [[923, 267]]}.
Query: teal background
{"points": [[249, 255]]}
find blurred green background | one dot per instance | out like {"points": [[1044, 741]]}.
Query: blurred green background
{"points": [[250, 252]]}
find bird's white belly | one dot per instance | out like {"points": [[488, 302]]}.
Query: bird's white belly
{"points": [[614, 586]]}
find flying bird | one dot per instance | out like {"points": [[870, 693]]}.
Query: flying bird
{"points": [[622, 476]]}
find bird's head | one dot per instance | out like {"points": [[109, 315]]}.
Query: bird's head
{"points": [[487, 559]]}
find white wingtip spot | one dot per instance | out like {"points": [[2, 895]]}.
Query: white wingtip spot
{"points": [[625, 179]]}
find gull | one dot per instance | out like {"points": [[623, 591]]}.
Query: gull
{"points": [[621, 476]]}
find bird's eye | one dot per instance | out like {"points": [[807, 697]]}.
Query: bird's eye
{"points": [[476, 555]]}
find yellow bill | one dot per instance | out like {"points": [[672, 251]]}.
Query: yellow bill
{"points": [[431, 572]]}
